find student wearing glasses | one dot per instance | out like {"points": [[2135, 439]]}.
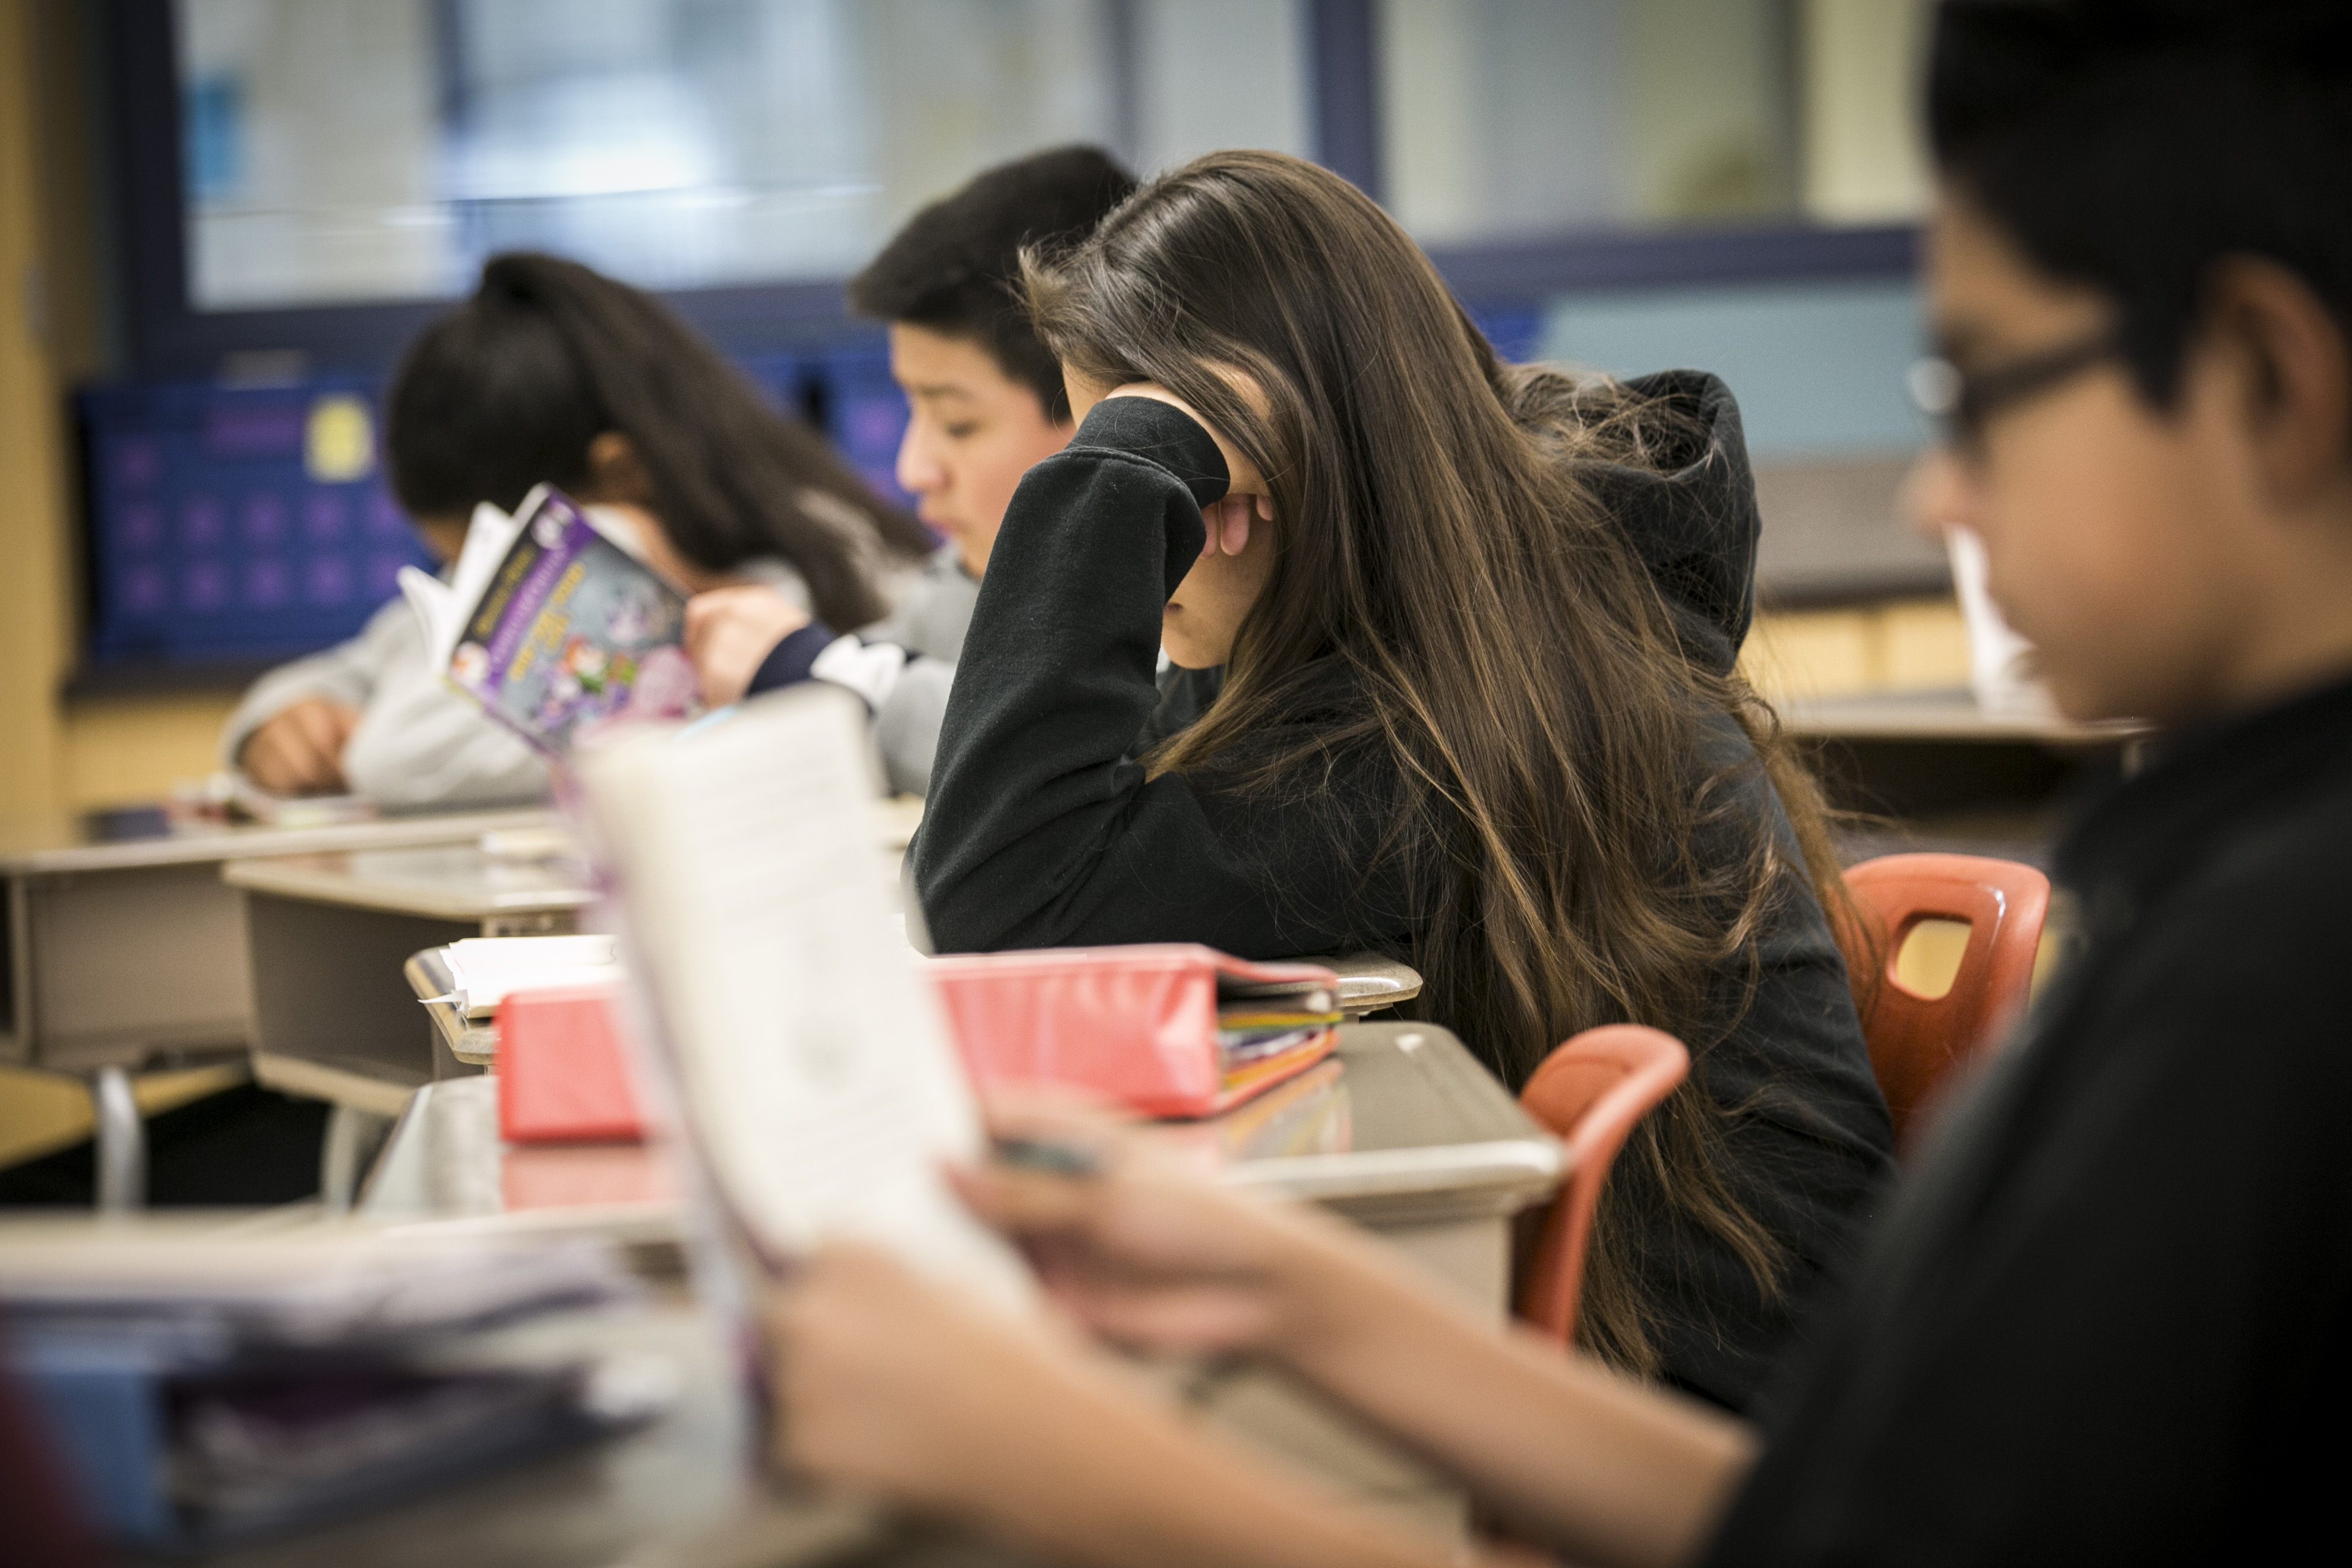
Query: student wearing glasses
{"points": [[2104, 1318]]}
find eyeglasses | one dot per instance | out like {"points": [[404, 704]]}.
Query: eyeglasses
{"points": [[1963, 401]]}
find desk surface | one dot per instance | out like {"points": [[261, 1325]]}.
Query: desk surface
{"points": [[447, 878], [679, 1492], [58, 843], [1401, 1126], [1367, 983], [447, 881], [1941, 716]]}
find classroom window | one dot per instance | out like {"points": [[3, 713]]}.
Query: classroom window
{"points": [[342, 151], [1504, 119]]}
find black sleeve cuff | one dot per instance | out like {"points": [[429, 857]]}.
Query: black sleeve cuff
{"points": [[789, 661], [1161, 433]]}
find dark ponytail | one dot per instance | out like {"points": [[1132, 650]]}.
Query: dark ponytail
{"points": [[509, 389]]}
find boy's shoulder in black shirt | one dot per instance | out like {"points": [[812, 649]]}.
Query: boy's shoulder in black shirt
{"points": [[2106, 1322]]}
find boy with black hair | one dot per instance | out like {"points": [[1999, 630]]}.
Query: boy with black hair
{"points": [[2106, 1318], [985, 403]]}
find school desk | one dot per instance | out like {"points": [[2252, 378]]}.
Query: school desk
{"points": [[119, 947], [1952, 775], [1367, 983], [676, 1493], [331, 938], [1402, 1131], [326, 936], [1942, 716]]}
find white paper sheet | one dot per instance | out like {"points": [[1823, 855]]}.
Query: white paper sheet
{"points": [[483, 970], [813, 1065]]}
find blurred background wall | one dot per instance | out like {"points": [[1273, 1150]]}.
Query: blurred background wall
{"points": [[220, 217]]}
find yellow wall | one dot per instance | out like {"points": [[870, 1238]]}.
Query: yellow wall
{"points": [[35, 588], [98, 751], [1902, 645], [42, 1113], [124, 751]]}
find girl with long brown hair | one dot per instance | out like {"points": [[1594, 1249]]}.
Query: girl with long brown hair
{"points": [[1456, 646]]}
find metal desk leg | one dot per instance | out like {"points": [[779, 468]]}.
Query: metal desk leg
{"points": [[354, 1138], [121, 1142]]}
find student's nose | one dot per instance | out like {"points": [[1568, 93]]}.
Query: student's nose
{"points": [[1939, 494], [920, 471]]}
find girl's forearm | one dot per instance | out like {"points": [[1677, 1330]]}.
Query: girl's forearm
{"points": [[1120, 1482], [1616, 1473]]}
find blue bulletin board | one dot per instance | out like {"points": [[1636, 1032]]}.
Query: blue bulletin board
{"points": [[865, 416], [237, 525], [233, 524]]}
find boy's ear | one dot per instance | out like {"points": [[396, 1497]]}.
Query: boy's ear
{"points": [[615, 472], [2298, 370]]}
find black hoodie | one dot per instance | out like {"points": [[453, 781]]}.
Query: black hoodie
{"points": [[1042, 831]]}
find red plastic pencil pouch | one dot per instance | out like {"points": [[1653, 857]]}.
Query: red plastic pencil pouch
{"points": [[1169, 1028]]}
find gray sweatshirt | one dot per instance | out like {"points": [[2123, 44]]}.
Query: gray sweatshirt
{"points": [[420, 743]]}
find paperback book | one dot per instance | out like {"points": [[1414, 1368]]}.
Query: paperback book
{"points": [[555, 624]]}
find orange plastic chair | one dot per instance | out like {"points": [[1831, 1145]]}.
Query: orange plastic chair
{"points": [[1588, 1094], [1917, 1042]]}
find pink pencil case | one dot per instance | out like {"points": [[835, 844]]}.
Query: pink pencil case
{"points": [[1169, 1028]]}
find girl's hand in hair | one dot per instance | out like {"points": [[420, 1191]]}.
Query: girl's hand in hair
{"points": [[731, 631], [1247, 495]]}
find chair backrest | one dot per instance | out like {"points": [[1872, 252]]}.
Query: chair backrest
{"points": [[1588, 1094], [1917, 1041]]}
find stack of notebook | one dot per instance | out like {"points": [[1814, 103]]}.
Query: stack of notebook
{"points": [[483, 970], [204, 1388], [1262, 1039]]}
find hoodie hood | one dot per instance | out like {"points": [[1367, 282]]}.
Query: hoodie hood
{"points": [[1695, 526]]}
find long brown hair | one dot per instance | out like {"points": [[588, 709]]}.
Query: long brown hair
{"points": [[1575, 860]]}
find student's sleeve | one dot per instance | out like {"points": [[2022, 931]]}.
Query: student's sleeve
{"points": [[904, 693], [346, 673], [421, 743], [1040, 830], [906, 726]]}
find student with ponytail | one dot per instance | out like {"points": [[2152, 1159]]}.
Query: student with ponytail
{"points": [[552, 373]]}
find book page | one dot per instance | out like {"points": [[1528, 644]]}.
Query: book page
{"points": [[484, 968], [811, 1063], [490, 534]]}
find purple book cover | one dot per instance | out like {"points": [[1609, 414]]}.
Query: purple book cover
{"points": [[575, 632]]}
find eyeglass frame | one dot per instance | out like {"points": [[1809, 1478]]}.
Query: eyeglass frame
{"points": [[1964, 401]]}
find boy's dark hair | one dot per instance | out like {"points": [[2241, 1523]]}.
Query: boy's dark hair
{"points": [[507, 389], [2130, 144], [955, 267]]}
